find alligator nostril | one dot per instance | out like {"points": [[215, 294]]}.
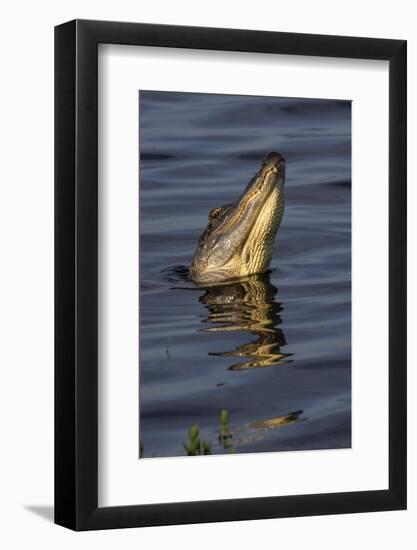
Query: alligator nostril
{"points": [[274, 158]]}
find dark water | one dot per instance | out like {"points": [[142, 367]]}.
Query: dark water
{"points": [[273, 350]]}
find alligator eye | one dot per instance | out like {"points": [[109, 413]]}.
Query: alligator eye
{"points": [[213, 214]]}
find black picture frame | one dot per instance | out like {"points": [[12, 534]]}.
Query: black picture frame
{"points": [[76, 272]]}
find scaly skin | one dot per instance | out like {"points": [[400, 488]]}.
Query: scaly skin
{"points": [[239, 238]]}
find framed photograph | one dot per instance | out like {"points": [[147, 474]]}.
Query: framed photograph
{"points": [[230, 275]]}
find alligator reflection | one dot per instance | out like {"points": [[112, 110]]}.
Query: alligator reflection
{"points": [[248, 305]]}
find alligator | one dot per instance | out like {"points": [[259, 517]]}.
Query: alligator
{"points": [[239, 238]]}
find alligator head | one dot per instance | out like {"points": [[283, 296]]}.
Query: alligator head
{"points": [[239, 238]]}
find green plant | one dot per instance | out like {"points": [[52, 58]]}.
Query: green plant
{"points": [[195, 446], [225, 435]]}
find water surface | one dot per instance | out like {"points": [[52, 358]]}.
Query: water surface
{"points": [[274, 350]]}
